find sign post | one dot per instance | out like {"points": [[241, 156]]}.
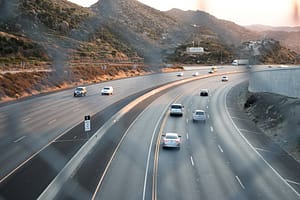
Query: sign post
{"points": [[87, 124]]}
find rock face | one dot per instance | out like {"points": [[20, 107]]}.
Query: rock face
{"points": [[63, 27], [279, 117]]}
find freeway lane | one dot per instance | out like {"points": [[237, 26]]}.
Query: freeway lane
{"points": [[214, 161], [126, 174], [64, 147], [27, 126]]}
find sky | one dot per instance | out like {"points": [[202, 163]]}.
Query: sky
{"points": [[242, 12]]}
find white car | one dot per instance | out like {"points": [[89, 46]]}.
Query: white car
{"points": [[199, 115], [107, 90], [171, 140], [195, 73], [225, 78], [204, 92], [179, 74], [176, 109]]}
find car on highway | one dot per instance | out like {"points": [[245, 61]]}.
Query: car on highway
{"points": [[204, 92], [199, 115], [195, 73], [179, 74], [176, 109], [80, 91], [107, 90], [212, 70], [171, 140], [225, 78]]}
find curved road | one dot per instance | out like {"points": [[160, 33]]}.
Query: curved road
{"points": [[215, 160]]}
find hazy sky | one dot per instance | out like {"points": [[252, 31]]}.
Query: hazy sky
{"points": [[242, 12]]}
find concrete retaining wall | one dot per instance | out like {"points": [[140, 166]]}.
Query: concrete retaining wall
{"points": [[284, 81]]}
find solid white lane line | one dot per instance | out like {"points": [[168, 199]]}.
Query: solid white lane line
{"points": [[220, 148], [51, 122], [211, 129], [21, 138], [240, 182], [26, 119], [192, 161], [293, 182], [260, 149], [251, 146]]}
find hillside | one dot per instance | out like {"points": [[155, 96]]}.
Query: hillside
{"points": [[226, 31], [288, 36], [59, 38]]}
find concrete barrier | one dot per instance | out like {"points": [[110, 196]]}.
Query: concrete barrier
{"points": [[283, 81]]}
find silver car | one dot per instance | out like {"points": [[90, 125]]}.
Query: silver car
{"points": [[171, 140], [199, 115], [176, 109], [80, 91]]}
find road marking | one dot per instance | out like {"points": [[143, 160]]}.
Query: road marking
{"points": [[26, 119], [290, 181], [51, 122], [187, 136], [220, 148], [211, 129], [260, 149], [76, 110], [192, 161], [240, 182], [187, 121], [21, 138], [207, 107], [251, 146], [207, 116]]}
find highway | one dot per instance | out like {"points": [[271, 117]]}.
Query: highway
{"points": [[214, 162]]}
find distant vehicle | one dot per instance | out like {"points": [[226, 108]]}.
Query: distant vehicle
{"points": [[179, 74], [199, 115], [195, 73], [107, 90], [80, 91], [240, 62], [225, 78], [212, 70], [176, 109], [171, 140], [204, 92]]}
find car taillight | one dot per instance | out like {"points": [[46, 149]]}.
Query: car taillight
{"points": [[177, 141]]}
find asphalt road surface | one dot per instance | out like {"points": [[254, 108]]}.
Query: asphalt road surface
{"points": [[215, 161]]}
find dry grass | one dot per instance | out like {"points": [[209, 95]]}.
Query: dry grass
{"points": [[18, 85]]}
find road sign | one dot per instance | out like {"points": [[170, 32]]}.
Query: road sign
{"points": [[87, 123]]}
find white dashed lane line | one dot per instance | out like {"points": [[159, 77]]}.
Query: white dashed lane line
{"points": [[51, 122], [19, 139], [211, 129], [26, 119], [220, 148], [192, 161], [240, 182]]}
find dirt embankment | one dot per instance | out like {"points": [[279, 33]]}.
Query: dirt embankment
{"points": [[22, 84], [278, 117]]}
